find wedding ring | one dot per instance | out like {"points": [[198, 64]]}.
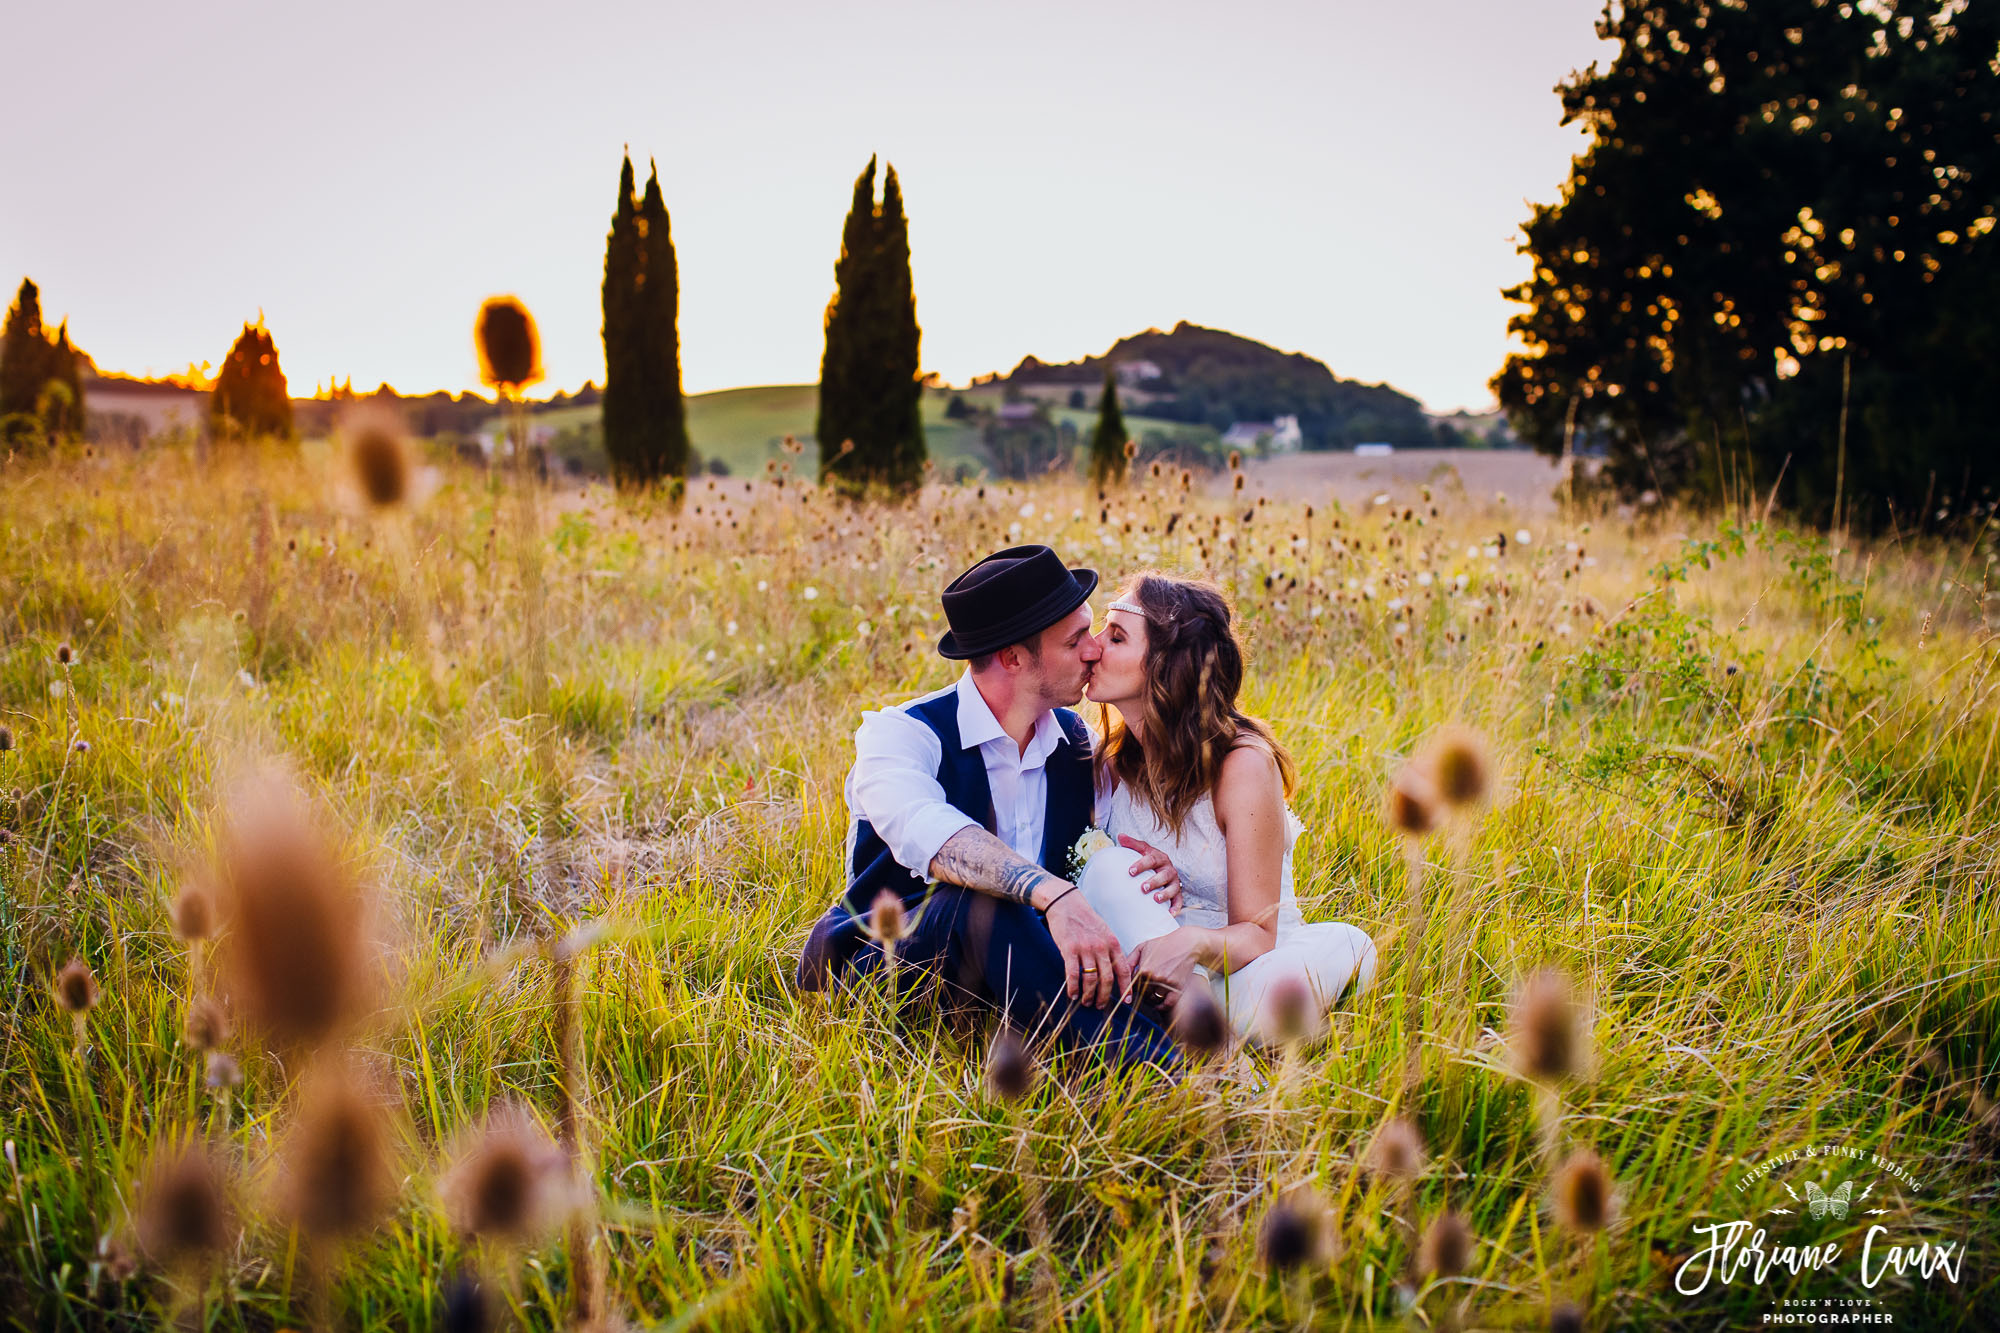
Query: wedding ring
{"points": [[1090, 969]]}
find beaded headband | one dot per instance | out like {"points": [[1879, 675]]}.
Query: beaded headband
{"points": [[1134, 608]]}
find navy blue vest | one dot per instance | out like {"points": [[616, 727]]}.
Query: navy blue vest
{"points": [[872, 867]]}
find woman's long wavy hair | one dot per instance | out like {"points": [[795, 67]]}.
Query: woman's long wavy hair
{"points": [[1194, 671]]}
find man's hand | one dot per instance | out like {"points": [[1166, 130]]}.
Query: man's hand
{"points": [[1165, 886], [1094, 968]]}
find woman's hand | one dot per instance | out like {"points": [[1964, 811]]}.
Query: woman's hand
{"points": [[1166, 886], [1162, 965]]}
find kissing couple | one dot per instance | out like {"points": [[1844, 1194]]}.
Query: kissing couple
{"points": [[972, 804]]}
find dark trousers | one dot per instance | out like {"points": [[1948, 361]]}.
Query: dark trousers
{"points": [[970, 947]]}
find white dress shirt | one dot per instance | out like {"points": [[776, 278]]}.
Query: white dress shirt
{"points": [[893, 784]]}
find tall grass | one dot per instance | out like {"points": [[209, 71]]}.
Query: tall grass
{"points": [[1744, 800]]}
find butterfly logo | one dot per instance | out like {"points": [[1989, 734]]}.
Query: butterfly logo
{"points": [[1822, 1203]]}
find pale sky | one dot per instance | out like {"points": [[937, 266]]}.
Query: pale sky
{"points": [[1336, 178]]}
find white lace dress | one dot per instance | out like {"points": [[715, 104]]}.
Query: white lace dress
{"points": [[1327, 955]]}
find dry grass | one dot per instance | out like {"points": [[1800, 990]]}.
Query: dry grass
{"points": [[1745, 805]]}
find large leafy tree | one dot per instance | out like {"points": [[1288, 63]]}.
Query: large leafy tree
{"points": [[40, 382], [1776, 254], [644, 413], [250, 398], [870, 424]]}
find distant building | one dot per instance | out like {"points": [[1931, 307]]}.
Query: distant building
{"points": [[1278, 437], [1134, 374], [1017, 413], [1376, 450]]}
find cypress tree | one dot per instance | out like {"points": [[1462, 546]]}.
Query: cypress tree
{"points": [[623, 410], [900, 424], [249, 398], [869, 390], [1107, 446], [23, 355], [837, 422], [665, 435], [39, 376]]}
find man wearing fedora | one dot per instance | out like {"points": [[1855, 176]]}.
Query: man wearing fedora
{"points": [[965, 805]]}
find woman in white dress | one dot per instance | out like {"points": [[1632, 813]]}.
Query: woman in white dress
{"points": [[1184, 768]]}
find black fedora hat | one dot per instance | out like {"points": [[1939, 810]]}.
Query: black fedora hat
{"points": [[1010, 596]]}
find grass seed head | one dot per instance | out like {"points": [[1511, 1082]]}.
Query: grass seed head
{"points": [[76, 986], [887, 922], [1583, 1192]]}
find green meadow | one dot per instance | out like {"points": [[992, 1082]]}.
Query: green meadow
{"points": [[1743, 798]]}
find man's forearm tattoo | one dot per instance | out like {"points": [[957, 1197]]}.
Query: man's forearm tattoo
{"points": [[978, 860]]}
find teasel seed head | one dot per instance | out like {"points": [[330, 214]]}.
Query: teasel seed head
{"points": [[222, 1070], [1447, 1247], [1460, 767], [1412, 805], [297, 954], [1294, 1012], [207, 1024], [65, 654], [6, 739], [1295, 1232], [379, 455], [510, 348], [511, 1183], [466, 1308], [1010, 1070], [337, 1176], [1397, 1152], [1548, 1038], [1565, 1317], [194, 912], [1583, 1193], [1198, 1023], [76, 986], [185, 1211]]}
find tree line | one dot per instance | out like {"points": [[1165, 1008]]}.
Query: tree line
{"points": [[1774, 264]]}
